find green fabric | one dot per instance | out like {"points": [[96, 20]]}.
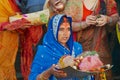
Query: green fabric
{"points": [[118, 33]]}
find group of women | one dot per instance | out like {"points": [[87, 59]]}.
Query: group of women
{"points": [[90, 21]]}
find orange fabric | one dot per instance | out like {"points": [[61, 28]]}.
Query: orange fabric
{"points": [[8, 51], [6, 10], [14, 5], [8, 44]]}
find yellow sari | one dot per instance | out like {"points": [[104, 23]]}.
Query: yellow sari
{"points": [[8, 43]]}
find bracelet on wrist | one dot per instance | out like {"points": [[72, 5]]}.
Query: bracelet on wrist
{"points": [[109, 20]]}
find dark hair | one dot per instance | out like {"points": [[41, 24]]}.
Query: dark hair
{"points": [[65, 19]]}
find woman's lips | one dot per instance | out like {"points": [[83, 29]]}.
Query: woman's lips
{"points": [[65, 38]]}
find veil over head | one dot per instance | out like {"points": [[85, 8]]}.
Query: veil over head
{"points": [[51, 36]]}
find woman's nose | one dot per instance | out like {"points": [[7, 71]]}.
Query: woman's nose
{"points": [[65, 33]]}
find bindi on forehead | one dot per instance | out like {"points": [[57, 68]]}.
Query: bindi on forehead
{"points": [[65, 20], [65, 24]]}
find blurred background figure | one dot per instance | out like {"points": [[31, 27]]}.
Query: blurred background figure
{"points": [[30, 37]]}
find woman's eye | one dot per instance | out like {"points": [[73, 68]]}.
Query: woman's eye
{"points": [[68, 29], [61, 29]]}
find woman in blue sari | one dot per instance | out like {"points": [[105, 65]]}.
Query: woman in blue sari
{"points": [[58, 41]]}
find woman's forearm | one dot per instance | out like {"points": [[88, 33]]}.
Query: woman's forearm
{"points": [[77, 26], [112, 20]]}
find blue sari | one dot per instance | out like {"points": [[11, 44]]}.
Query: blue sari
{"points": [[51, 50]]}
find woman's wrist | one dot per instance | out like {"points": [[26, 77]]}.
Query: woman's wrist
{"points": [[112, 20], [77, 26], [83, 25], [109, 20], [44, 75]]}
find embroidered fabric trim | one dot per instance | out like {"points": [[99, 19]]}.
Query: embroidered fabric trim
{"points": [[55, 24]]}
